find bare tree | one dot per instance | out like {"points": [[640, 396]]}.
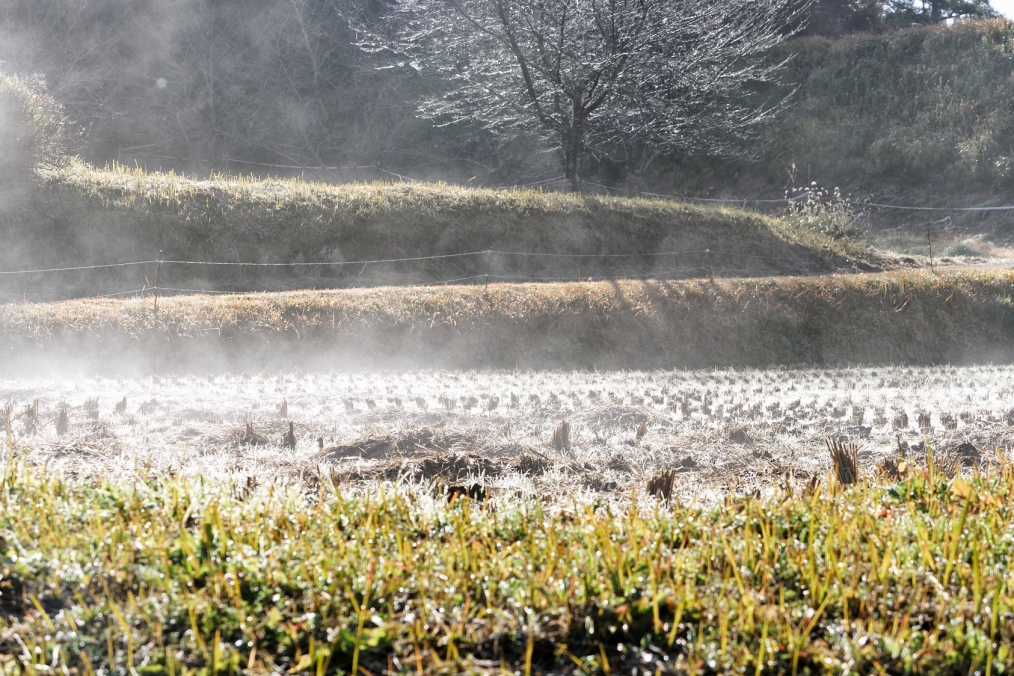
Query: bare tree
{"points": [[593, 74]]}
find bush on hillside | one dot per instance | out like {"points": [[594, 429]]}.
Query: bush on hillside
{"points": [[32, 130]]}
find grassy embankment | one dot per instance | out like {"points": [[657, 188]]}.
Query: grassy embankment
{"points": [[916, 317], [174, 576], [80, 215], [65, 213]]}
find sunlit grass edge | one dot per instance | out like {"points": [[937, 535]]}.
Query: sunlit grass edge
{"points": [[179, 575]]}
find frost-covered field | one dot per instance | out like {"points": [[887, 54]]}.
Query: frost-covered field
{"points": [[720, 430]]}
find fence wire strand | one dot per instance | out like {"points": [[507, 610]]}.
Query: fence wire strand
{"points": [[383, 261], [80, 267]]}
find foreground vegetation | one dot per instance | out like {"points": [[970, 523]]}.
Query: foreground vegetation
{"points": [[175, 575], [912, 317]]}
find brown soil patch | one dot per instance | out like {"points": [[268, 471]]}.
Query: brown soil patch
{"points": [[423, 440], [459, 467]]}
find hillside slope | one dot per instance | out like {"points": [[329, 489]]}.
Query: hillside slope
{"points": [[925, 113], [80, 215]]}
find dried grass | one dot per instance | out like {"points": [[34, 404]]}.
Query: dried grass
{"points": [[661, 485], [62, 420], [844, 460], [250, 437], [289, 440], [895, 469], [623, 324], [193, 425], [384, 221], [407, 443], [561, 437]]}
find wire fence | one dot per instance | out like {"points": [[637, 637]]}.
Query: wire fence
{"points": [[162, 277], [472, 267], [855, 204]]}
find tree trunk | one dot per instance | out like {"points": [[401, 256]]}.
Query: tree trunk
{"points": [[641, 164], [572, 146]]}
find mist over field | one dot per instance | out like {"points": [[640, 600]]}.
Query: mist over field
{"points": [[484, 336]]}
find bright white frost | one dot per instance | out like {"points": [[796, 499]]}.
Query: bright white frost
{"points": [[721, 429]]}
